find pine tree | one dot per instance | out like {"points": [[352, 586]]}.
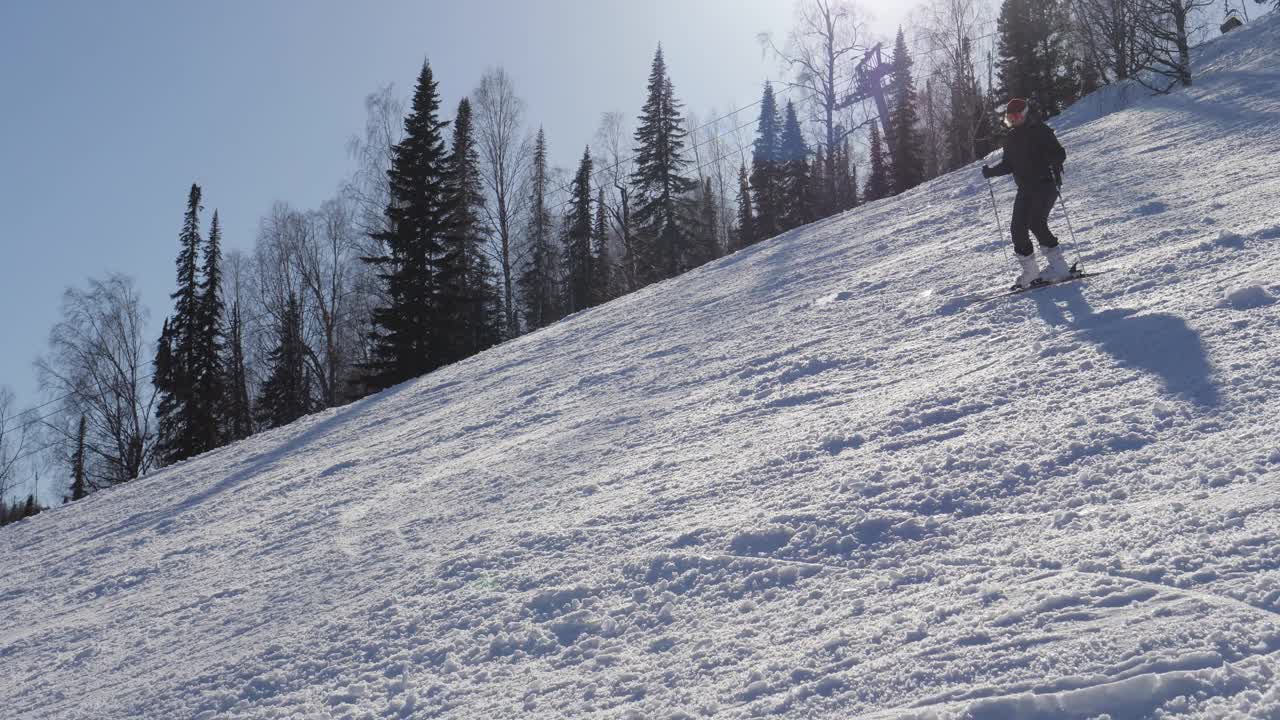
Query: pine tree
{"points": [[602, 263], [703, 246], [932, 132], [661, 222], [822, 188], [851, 188], [1034, 61], [207, 367], [239, 414], [79, 488], [286, 393], [468, 286], [968, 125], [577, 240], [1016, 67], [167, 380], [19, 509], [848, 179], [185, 421], [766, 173], [537, 289], [908, 163], [746, 231], [1087, 76], [796, 184], [879, 183], [410, 333], [845, 185]]}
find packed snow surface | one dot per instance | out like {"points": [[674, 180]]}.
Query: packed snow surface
{"points": [[815, 479]]}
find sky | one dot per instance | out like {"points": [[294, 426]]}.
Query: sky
{"points": [[109, 111]]}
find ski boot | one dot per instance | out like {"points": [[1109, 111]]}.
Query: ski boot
{"points": [[1056, 270], [1030, 272]]}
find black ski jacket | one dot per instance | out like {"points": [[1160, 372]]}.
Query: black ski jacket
{"points": [[1032, 154]]}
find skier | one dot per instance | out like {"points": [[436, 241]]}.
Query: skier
{"points": [[1033, 155]]}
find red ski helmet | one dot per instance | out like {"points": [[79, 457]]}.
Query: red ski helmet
{"points": [[1015, 112]]}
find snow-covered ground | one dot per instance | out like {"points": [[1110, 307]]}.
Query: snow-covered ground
{"points": [[815, 479]]}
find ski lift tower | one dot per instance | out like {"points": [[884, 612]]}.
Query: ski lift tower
{"points": [[869, 77]]}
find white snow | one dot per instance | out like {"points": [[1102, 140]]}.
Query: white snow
{"points": [[811, 480]]}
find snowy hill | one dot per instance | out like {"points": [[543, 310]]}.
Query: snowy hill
{"points": [[816, 479]]}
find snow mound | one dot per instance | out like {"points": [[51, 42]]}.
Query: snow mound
{"points": [[1247, 297]]}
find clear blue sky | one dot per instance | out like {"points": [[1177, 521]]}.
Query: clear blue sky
{"points": [[110, 110]]}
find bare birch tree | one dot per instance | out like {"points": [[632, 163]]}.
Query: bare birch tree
{"points": [[1109, 31], [99, 363], [506, 151], [1166, 29], [326, 260], [274, 279], [236, 300], [613, 152], [717, 160], [368, 187], [950, 29], [13, 440]]}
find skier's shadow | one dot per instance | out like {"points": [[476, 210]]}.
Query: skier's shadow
{"points": [[1159, 343]]}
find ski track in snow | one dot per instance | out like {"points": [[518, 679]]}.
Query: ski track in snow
{"points": [[809, 480]]}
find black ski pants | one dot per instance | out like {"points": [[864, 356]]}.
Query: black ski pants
{"points": [[1031, 215]]}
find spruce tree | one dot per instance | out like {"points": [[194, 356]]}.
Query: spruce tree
{"points": [[286, 393], [1087, 77], [661, 217], [932, 130], [845, 184], [537, 288], [848, 179], [908, 160], [746, 230], [878, 183], [601, 262], [821, 187], [766, 172], [468, 286], [1034, 60], [239, 414], [577, 240], [181, 412], [968, 125], [410, 336], [79, 488], [166, 380], [704, 247], [207, 368], [797, 187]]}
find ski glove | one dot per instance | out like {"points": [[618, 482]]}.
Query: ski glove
{"points": [[988, 172], [1057, 176]]}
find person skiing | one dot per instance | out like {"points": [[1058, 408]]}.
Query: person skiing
{"points": [[1033, 155]]}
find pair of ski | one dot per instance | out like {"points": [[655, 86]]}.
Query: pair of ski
{"points": [[1076, 274]]}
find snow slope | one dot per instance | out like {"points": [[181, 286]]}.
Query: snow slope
{"points": [[811, 480]]}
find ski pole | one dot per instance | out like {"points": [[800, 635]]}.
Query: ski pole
{"points": [[999, 224], [1075, 246]]}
